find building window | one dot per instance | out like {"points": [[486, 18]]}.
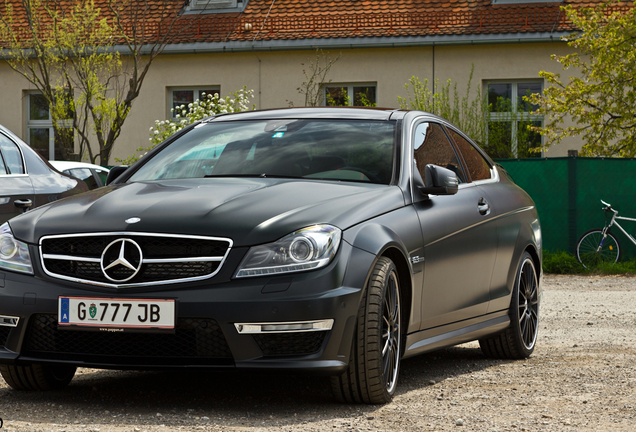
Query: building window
{"points": [[509, 118], [41, 134], [186, 95], [198, 6], [350, 95]]}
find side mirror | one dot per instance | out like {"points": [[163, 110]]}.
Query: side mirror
{"points": [[439, 181], [114, 173]]}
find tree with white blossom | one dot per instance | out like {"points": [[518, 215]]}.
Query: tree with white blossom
{"points": [[185, 115]]}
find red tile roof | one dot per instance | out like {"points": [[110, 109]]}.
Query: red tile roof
{"points": [[269, 20]]}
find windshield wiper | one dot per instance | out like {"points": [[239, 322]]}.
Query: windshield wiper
{"points": [[234, 175], [263, 175]]}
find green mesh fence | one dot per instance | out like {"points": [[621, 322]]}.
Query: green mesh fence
{"points": [[567, 192]]}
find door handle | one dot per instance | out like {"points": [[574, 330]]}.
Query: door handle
{"points": [[23, 204], [483, 206]]}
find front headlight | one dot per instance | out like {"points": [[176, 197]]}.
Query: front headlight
{"points": [[14, 254], [306, 249]]}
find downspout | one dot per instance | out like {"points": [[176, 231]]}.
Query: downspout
{"points": [[433, 80], [259, 81]]}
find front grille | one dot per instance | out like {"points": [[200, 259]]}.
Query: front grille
{"points": [[153, 247], [4, 335], [160, 259], [148, 273], [286, 344], [195, 341]]}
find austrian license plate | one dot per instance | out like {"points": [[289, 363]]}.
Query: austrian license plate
{"points": [[116, 314]]}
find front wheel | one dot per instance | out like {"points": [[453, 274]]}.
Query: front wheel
{"points": [[374, 362], [38, 376], [593, 248]]}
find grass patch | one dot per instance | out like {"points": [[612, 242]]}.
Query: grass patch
{"points": [[566, 263], [621, 267], [561, 263]]}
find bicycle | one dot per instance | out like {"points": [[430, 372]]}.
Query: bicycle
{"points": [[600, 245]]}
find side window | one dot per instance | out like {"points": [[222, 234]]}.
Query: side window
{"points": [[478, 167], [3, 168], [86, 175], [431, 146], [12, 156]]}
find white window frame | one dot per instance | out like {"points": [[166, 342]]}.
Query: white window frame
{"points": [[42, 124], [507, 117], [194, 89], [39, 124], [349, 86]]}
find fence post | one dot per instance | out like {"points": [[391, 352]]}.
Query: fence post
{"points": [[572, 200]]}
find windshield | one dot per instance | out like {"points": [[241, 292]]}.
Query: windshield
{"points": [[350, 150]]}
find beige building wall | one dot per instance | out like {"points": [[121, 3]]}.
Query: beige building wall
{"points": [[276, 75]]}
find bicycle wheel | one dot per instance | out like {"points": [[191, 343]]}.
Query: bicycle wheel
{"points": [[590, 253]]}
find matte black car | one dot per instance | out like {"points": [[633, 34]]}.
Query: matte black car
{"points": [[326, 240], [26, 180]]}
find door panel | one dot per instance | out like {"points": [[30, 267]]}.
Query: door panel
{"points": [[13, 188], [460, 247]]}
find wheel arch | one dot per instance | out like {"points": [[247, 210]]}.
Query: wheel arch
{"points": [[381, 241], [528, 240], [406, 285], [531, 249]]}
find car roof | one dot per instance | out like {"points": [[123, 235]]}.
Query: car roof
{"points": [[342, 113], [63, 165]]}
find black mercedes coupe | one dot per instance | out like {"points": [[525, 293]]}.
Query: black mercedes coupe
{"points": [[330, 240]]}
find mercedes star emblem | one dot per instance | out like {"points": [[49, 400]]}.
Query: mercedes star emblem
{"points": [[121, 260]]}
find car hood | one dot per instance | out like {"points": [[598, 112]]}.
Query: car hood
{"points": [[249, 211]]}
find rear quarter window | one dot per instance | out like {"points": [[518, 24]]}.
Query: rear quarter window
{"points": [[478, 166]]}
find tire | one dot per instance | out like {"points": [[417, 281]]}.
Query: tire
{"points": [[588, 253], [374, 363], [38, 376], [519, 339]]}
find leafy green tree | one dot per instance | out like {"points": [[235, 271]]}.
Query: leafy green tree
{"points": [[601, 100], [88, 63]]}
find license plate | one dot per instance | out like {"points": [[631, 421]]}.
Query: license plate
{"points": [[116, 314]]}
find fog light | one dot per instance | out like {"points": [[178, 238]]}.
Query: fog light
{"points": [[284, 327], [8, 321]]}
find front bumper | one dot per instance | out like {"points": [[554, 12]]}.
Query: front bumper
{"points": [[207, 315]]}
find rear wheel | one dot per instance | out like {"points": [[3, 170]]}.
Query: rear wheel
{"points": [[593, 248], [374, 363], [518, 340], [38, 376]]}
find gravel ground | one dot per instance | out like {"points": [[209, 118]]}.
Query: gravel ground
{"points": [[580, 377]]}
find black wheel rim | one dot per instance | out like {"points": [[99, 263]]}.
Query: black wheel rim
{"points": [[391, 332], [590, 254], [528, 304]]}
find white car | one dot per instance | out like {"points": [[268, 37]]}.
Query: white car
{"points": [[93, 175]]}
